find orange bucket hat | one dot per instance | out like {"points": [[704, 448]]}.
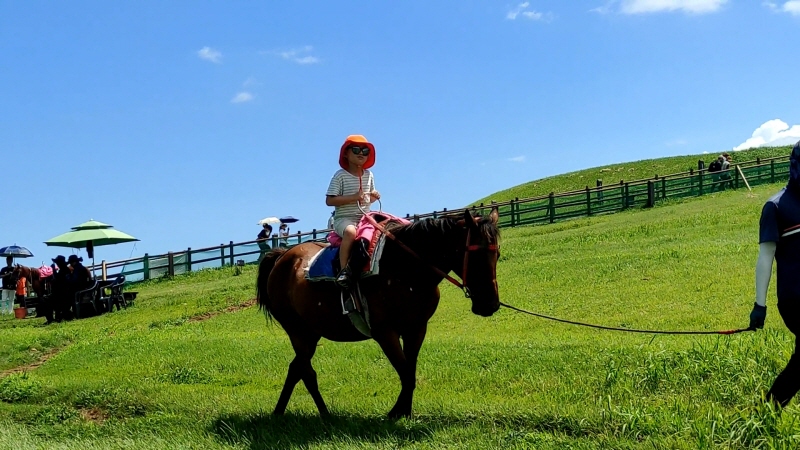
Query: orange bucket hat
{"points": [[356, 139]]}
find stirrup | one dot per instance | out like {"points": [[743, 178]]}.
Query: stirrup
{"points": [[343, 280]]}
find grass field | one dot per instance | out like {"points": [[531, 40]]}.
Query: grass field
{"points": [[613, 173], [154, 376]]}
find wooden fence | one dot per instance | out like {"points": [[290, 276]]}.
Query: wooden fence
{"points": [[602, 199]]}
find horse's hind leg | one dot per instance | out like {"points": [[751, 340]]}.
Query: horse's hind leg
{"points": [[300, 369]]}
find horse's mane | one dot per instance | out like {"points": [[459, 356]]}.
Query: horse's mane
{"points": [[423, 231]]}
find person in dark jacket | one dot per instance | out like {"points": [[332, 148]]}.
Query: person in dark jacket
{"points": [[779, 241], [80, 278], [62, 296]]}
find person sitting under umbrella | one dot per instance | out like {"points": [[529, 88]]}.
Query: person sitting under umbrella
{"points": [[80, 278]]}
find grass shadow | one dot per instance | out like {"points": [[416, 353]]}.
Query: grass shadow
{"points": [[295, 431], [264, 430]]}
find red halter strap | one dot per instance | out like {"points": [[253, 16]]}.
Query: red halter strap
{"points": [[474, 248]]}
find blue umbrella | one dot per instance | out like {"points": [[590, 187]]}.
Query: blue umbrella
{"points": [[15, 251]]}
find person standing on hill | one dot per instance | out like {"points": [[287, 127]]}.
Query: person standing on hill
{"points": [[779, 240]]}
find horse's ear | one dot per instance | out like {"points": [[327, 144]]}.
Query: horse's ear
{"points": [[494, 215], [468, 218]]}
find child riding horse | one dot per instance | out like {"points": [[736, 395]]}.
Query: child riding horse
{"points": [[401, 298]]}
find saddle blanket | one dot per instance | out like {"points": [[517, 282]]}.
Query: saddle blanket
{"points": [[320, 266]]}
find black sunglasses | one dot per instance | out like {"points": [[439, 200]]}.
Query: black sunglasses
{"points": [[362, 150]]}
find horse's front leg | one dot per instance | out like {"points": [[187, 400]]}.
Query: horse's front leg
{"points": [[404, 361]]}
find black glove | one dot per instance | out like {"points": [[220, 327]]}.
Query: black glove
{"points": [[757, 316]]}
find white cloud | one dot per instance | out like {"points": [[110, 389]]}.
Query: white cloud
{"points": [[772, 134], [520, 158], [209, 54], [299, 55], [522, 10], [792, 7], [653, 6], [242, 97], [512, 15], [605, 9], [250, 81]]}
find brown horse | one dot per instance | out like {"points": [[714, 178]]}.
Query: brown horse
{"points": [[33, 277], [401, 298]]}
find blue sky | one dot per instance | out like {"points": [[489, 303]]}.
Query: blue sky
{"points": [[183, 123]]}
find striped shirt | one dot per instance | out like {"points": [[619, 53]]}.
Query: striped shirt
{"points": [[344, 183]]}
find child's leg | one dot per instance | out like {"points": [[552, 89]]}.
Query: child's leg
{"points": [[347, 243]]}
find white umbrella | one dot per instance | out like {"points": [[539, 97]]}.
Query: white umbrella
{"points": [[269, 220]]}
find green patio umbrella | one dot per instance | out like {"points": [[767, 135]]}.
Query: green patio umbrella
{"points": [[89, 235]]}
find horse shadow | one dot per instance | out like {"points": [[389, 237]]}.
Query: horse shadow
{"points": [[294, 431]]}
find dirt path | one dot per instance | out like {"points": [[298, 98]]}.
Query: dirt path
{"points": [[43, 358], [229, 309]]}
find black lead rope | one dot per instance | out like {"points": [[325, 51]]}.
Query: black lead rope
{"points": [[629, 330]]}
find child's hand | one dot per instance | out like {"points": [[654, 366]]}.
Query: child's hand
{"points": [[374, 196], [358, 197]]}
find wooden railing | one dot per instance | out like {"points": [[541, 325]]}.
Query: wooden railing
{"points": [[534, 210]]}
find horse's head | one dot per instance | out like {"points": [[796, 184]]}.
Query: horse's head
{"points": [[481, 252]]}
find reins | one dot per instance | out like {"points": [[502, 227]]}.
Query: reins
{"points": [[462, 285], [435, 269], [628, 330]]}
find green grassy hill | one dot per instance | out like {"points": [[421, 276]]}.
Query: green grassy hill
{"points": [[612, 174], [154, 376]]}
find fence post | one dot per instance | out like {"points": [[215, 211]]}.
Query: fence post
{"points": [[588, 201], [230, 244], [103, 270], [735, 178], [700, 182], [772, 171], [623, 200], [552, 207], [170, 264], [314, 234], [513, 219], [600, 191], [189, 259], [663, 188], [434, 214], [651, 194], [701, 164], [222, 255], [146, 266], [627, 196]]}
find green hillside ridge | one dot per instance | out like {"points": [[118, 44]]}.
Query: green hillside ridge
{"points": [[613, 173], [152, 377]]}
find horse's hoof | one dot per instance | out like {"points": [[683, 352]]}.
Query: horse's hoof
{"points": [[396, 414]]}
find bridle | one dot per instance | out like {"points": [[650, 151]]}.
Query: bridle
{"points": [[467, 249]]}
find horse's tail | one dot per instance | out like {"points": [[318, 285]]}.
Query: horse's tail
{"points": [[264, 269]]}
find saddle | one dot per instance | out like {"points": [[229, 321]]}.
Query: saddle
{"points": [[364, 256]]}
